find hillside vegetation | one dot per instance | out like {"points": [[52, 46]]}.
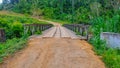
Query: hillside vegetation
{"points": [[13, 23]]}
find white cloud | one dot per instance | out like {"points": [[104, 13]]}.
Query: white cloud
{"points": [[0, 1]]}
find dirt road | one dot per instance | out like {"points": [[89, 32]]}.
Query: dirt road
{"points": [[55, 53]]}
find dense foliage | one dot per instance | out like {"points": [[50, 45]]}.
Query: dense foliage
{"points": [[71, 10], [75, 11]]}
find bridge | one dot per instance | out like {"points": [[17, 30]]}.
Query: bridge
{"points": [[58, 31]]}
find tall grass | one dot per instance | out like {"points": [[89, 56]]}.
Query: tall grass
{"points": [[11, 46], [110, 56]]}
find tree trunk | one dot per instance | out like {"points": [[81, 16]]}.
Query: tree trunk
{"points": [[73, 7]]}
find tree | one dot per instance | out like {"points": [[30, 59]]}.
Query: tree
{"points": [[61, 5], [5, 2], [73, 10], [14, 1], [115, 4], [95, 8]]}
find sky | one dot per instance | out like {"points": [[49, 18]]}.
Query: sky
{"points": [[0, 1]]}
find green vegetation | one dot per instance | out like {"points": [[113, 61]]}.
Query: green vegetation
{"points": [[103, 15], [66, 10], [11, 46], [110, 56], [14, 24]]}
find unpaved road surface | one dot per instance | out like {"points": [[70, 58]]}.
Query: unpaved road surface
{"points": [[55, 53]]}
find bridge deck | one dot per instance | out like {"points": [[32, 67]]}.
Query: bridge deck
{"points": [[59, 32]]}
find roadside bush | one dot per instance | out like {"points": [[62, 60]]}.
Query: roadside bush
{"points": [[111, 58], [11, 46], [17, 29], [99, 45]]}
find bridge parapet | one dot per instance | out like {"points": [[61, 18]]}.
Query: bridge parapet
{"points": [[32, 28], [81, 29]]}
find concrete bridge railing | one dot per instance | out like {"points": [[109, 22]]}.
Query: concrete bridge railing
{"points": [[112, 39]]}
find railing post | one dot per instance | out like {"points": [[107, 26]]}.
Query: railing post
{"points": [[79, 29], [2, 35], [86, 29], [26, 29]]}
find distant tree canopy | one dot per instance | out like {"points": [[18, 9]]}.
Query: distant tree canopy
{"points": [[64, 9]]}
